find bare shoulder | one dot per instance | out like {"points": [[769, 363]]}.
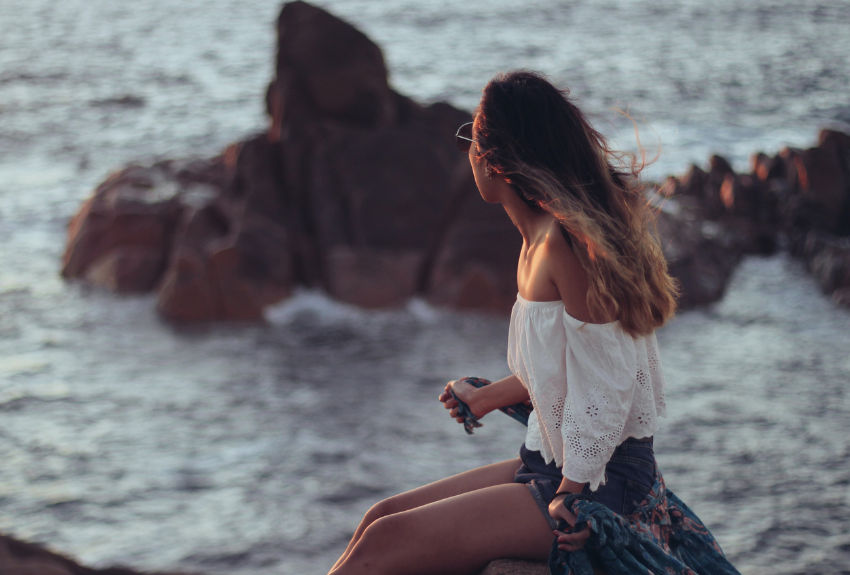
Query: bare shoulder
{"points": [[567, 273]]}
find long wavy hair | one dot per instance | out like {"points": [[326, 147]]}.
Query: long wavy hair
{"points": [[530, 133]]}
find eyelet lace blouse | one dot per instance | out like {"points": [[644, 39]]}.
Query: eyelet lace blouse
{"points": [[591, 385]]}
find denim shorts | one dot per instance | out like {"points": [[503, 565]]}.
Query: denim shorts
{"points": [[629, 476]]}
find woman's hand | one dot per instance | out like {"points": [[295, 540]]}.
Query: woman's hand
{"points": [[465, 392], [567, 541]]}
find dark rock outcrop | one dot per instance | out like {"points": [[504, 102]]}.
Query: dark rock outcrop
{"points": [[828, 259], [697, 257], [354, 188], [798, 198], [21, 558]]}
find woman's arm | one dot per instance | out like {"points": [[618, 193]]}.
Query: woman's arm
{"points": [[483, 400]]}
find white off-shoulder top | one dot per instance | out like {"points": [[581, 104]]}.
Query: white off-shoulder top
{"points": [[591, 385]]}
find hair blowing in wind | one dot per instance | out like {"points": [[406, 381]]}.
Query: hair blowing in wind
{"points": [[530, 133]]}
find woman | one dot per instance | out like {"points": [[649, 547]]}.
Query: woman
{"points": [[593, 287]]}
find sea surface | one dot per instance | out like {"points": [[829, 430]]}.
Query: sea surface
{"points": [[255, 450]]}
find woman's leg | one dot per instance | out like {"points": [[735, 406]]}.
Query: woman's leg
{"points": [[479, 478], [458, 535]]}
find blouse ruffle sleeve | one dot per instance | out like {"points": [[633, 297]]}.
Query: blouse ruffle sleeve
{"points": [[601, 368]]}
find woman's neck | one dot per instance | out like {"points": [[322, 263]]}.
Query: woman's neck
{"points": [[531, 224]]}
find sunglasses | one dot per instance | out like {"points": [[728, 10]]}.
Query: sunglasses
{"points": [[463, 138]]}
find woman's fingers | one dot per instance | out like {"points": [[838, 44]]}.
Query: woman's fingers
{"points": [[449, 402], [447, 398], [580, 536], [572, 541]]}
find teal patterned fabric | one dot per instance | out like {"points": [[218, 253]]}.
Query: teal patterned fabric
{"points": [[518, 411], [662, 537]]}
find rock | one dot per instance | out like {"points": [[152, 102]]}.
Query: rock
{"points": [[823, 187], [368, 172], [349, 190], [842, 297], [671, 188], [187, 293], [693, 183], [719, 170], [371, 180], [766, 167], [705, 187], [838, 144], [127, 269], [222, 273], [520, 567], [831, 268], [740, 195], [828, 258], [372, 278], [381, 196], [328, 68], [21, 558], [698, 256], [233, 255], [744, 235], [817, 191], [515, 567], [474, 264], [789, 167], [121, 236]]}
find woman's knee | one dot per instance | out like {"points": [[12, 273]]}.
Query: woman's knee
{"points": [[379, 538], [381, 509], [392, 505]]}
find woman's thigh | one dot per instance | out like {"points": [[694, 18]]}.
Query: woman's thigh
{"points": [[474, 479], [454, 535], [479, 478]]}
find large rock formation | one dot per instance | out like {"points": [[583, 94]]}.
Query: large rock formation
{"points": [[360, 191], [355, 189]]}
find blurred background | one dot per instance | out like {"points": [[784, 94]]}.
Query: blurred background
{"points": [[255, 449]]}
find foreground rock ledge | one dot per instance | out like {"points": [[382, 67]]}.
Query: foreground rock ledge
{"points": [[359, 191], [515, 567], [20, 558], [519, 567]]}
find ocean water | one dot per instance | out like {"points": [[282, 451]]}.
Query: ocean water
{"points": [[256, 449]]}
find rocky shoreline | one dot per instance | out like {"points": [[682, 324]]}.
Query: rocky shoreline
{"points": [[359, 191]]}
